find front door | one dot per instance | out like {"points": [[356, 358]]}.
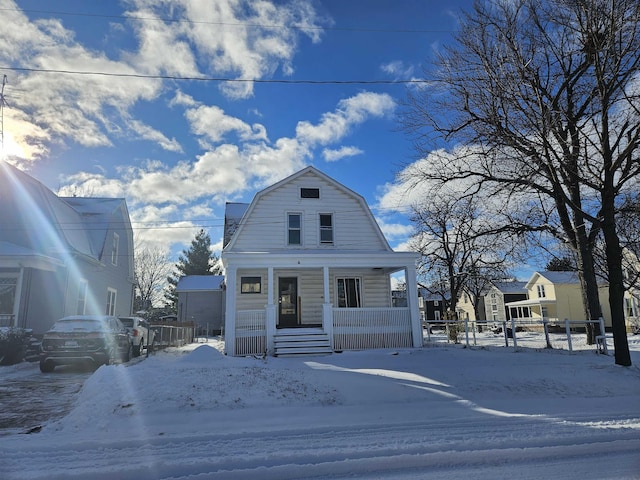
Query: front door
{"points": [[287, 302]]}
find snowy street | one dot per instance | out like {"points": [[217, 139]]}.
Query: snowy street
{"points": [[440, 412]]}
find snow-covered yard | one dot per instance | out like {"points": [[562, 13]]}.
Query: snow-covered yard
{"points": [[440, 412]]}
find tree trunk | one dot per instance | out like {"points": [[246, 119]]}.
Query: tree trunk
{"points": [[589, 284], [616, 285]]}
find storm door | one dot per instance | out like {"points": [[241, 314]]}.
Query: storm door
{"points": [[288, 302]]}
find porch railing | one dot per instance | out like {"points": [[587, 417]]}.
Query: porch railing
{"points": [[251, 332], [364, 328]]}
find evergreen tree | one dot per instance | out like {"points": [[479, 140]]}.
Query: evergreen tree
{"points": [[561, 264], [197, 260]]}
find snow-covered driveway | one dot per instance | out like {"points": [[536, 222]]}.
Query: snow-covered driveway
{"points": [[437, 413]]}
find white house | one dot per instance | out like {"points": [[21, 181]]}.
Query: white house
{"points": [[308, 270]]}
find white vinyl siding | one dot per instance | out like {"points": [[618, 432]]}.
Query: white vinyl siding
{"points": [[266, 227]]}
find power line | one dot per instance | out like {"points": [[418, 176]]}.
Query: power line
{"points": [[220, 79], [230, 24]]}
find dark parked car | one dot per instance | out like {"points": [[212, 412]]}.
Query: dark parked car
{"points": [[95, 339]]}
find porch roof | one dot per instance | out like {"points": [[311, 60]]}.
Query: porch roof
{"points": [[320, 258], [531, 302], [15, 256]]}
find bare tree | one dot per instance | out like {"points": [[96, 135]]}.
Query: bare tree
{"points": [[152, 266], [545, 95], [459, 251]]}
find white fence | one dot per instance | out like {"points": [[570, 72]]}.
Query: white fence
{"points": [[251, 332], [532, 333], [364, 328]]}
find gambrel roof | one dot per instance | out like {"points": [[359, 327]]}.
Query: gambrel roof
{"points": [[309, 172]]}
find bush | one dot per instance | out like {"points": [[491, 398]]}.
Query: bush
{"points": [[13, 345]]}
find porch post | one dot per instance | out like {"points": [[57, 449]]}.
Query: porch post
{"points": [[230, 311], [270, 314], [327, 308], [412, 302], [17, 300]]}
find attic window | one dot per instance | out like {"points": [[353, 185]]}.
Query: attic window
{"points": [[309, 193]]}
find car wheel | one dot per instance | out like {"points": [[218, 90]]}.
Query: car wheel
{"points": [[47, 366], [137, 349]]}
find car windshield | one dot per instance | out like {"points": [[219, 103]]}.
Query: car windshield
{"points": [[127, 322], [77, 325]]}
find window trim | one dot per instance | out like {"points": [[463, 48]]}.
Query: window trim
{"points": [[115, 249], [330, 229], [248, 281], [309, 190], [358, 285], [83, 288], [289, 229], [111, 307], [541, 291]]}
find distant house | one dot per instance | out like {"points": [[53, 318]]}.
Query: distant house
{"points": [[201, 300], [61, 256], [308, 271], [431, 306], [556, 296], [631, 265], [498, 295]]}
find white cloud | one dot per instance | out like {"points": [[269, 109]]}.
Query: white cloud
{"points": [[331, 155], [149, 133], [398, 70], [239, 38], [213, 124], [206, 39], [393, 231], [350, 112]]}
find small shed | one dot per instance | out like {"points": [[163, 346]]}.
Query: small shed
{"points": [[201, 300]]}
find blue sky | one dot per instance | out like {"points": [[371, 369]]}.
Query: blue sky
{"points": [[177, 149]]}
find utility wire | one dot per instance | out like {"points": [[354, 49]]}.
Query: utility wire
{"points": [[229, 24], [220, 79]]}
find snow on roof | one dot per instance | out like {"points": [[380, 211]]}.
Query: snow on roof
{"points": [[96, 213], [511, 287], [560, 277], [233, 213], [192, 283]]}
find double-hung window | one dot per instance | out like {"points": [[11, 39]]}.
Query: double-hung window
{"points": [[294, 226], [82, 297], [326, 228], [111, 301], [349, 293], [541, 292], [114, 249]]}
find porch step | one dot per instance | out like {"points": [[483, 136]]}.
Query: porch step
{"points": [[293, 343]]}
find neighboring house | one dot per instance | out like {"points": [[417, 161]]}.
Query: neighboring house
{"points": [[308, 270], [201, 300], [556, 296], [631, 265], [498, 295], [61, 256], [399, 298], [431, 306]]}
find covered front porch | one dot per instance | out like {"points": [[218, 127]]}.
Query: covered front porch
{"points": [[319, 305]]}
